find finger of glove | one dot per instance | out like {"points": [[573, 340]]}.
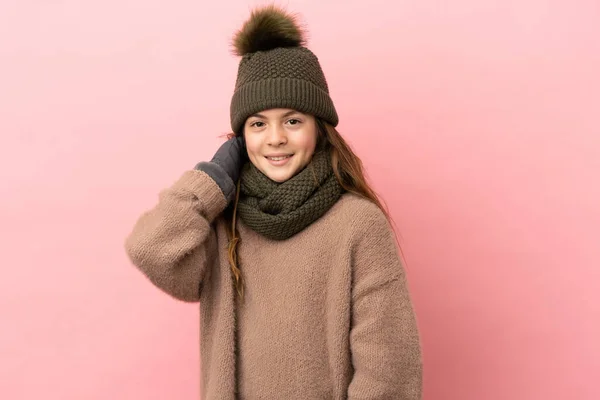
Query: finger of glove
{"points": [[222, 153], [243, 152]]}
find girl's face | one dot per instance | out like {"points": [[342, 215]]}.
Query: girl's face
{"points": [[280, 142]]}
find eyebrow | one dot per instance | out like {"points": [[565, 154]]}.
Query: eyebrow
{"points": [[287, 114]]}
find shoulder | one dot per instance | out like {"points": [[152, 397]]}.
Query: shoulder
{"points": [[371, 241], [360, 215]]}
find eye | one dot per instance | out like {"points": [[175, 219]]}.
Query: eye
{"points": [[294, 121], [257, 124]]}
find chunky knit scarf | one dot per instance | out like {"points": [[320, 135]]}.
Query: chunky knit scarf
{"points": [[280, 210]]}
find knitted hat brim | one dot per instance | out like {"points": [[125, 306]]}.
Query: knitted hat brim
{"points": [[296, 94]]}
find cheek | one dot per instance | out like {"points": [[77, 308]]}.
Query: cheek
{"points": [[308, 143], [252, 146]]}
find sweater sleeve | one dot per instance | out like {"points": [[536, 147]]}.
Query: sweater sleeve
{"points": [[384, 338], [173, 243]]}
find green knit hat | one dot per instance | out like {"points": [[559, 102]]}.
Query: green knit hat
{"points": [[276, 70]]}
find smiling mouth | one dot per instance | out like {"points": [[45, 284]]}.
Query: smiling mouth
{"points": [[278, 158]]}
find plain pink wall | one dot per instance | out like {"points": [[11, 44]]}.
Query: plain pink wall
{"points": [[478, 122]]}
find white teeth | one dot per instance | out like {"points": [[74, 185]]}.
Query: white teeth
{"points": [[278, 158]]}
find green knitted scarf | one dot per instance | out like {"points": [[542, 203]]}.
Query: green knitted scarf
{"points": [[280, 210]]}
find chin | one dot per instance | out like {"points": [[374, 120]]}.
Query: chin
{"points": [[279, 176]]}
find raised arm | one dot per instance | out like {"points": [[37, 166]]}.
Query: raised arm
{"points": [[174, 243]]}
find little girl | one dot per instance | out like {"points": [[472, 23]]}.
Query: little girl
{"points": [[283, 243]]}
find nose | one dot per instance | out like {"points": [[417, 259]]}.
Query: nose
{"points": [[276, 136]]}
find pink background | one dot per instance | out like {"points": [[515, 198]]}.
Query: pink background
{"points": [[478, 122]]}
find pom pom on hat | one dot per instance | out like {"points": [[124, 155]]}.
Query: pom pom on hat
{"points": [[268, 28]]}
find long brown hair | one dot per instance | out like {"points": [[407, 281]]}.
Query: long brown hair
{"points": [[349, 171]]}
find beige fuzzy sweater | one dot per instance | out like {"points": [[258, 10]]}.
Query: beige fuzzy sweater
{"points": [[327, 313]]}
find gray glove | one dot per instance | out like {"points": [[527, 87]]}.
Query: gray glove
{"points": [[226, 165]]}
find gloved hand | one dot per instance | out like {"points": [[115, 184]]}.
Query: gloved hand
{"points": [[225, 166], [231, 157]]}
